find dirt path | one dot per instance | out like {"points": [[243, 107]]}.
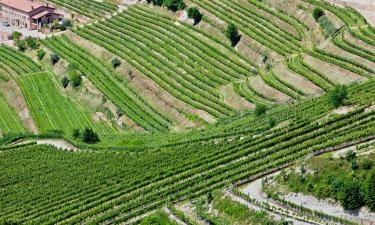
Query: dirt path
{"points": [[172, 217], [57, 143], [187, 209], [254, 190], [361, 216], [252, 206]]}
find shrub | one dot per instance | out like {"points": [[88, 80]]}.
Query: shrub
{"points": [[21, 45], [328, 27], [76, 133], [116, 63], [193, 13], [337, 96], [317, 13], [75, 77], [366, 164], [64, 82], [260, 109], [157, 2], [54, 58], [15, 35], [232, 34], [32, 42], [271, 122], [67, 23], [89, 136], [40, 54], [350, 195], [174, 5]]}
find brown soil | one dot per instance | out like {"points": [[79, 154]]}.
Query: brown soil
{"points": [[296, 80], [354, 40], [259, 85], [231, 98], [14, 97], [331, 47], [333, 72]]}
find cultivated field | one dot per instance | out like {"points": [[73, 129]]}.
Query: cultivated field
{"points": [[180, 112]]}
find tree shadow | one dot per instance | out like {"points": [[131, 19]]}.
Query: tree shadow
{"points": [[198, 20], [236, 40]]}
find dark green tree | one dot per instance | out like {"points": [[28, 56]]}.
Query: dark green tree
{"points": [[64, 82], [337, 95], [317, 13], [116, 63], [232, 34], [89, 136], [350, 196], [193, 13], [54, 58], [76, 133], [174, 5]]}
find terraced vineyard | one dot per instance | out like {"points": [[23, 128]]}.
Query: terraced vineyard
{"points": [[90, 9], [52, 111], [180, 171], [109, 83], [191, 73], [139, 114], [9, 121]]}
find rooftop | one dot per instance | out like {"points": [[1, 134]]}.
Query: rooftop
{"points": [[23, 5]]}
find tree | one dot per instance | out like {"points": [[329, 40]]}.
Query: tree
{"points": [[116, 63], [157, 2], [260, 109], [21, 45], [337, 96], [75, 77], [76, 133], [317, 13], [54, 58], [232, 34], [193, 13], [369, 189], [350, 196], [15, 35], [32, 42], [89, 136], [174, 5], [64, 82], [40, 54]]}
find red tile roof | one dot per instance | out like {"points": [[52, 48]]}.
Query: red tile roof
{"points": [[23, 5]]}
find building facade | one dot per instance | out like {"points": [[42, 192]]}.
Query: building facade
{"points": [[27, 14]]}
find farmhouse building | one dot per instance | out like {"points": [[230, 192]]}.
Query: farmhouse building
{"points": [[27, 13]]}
